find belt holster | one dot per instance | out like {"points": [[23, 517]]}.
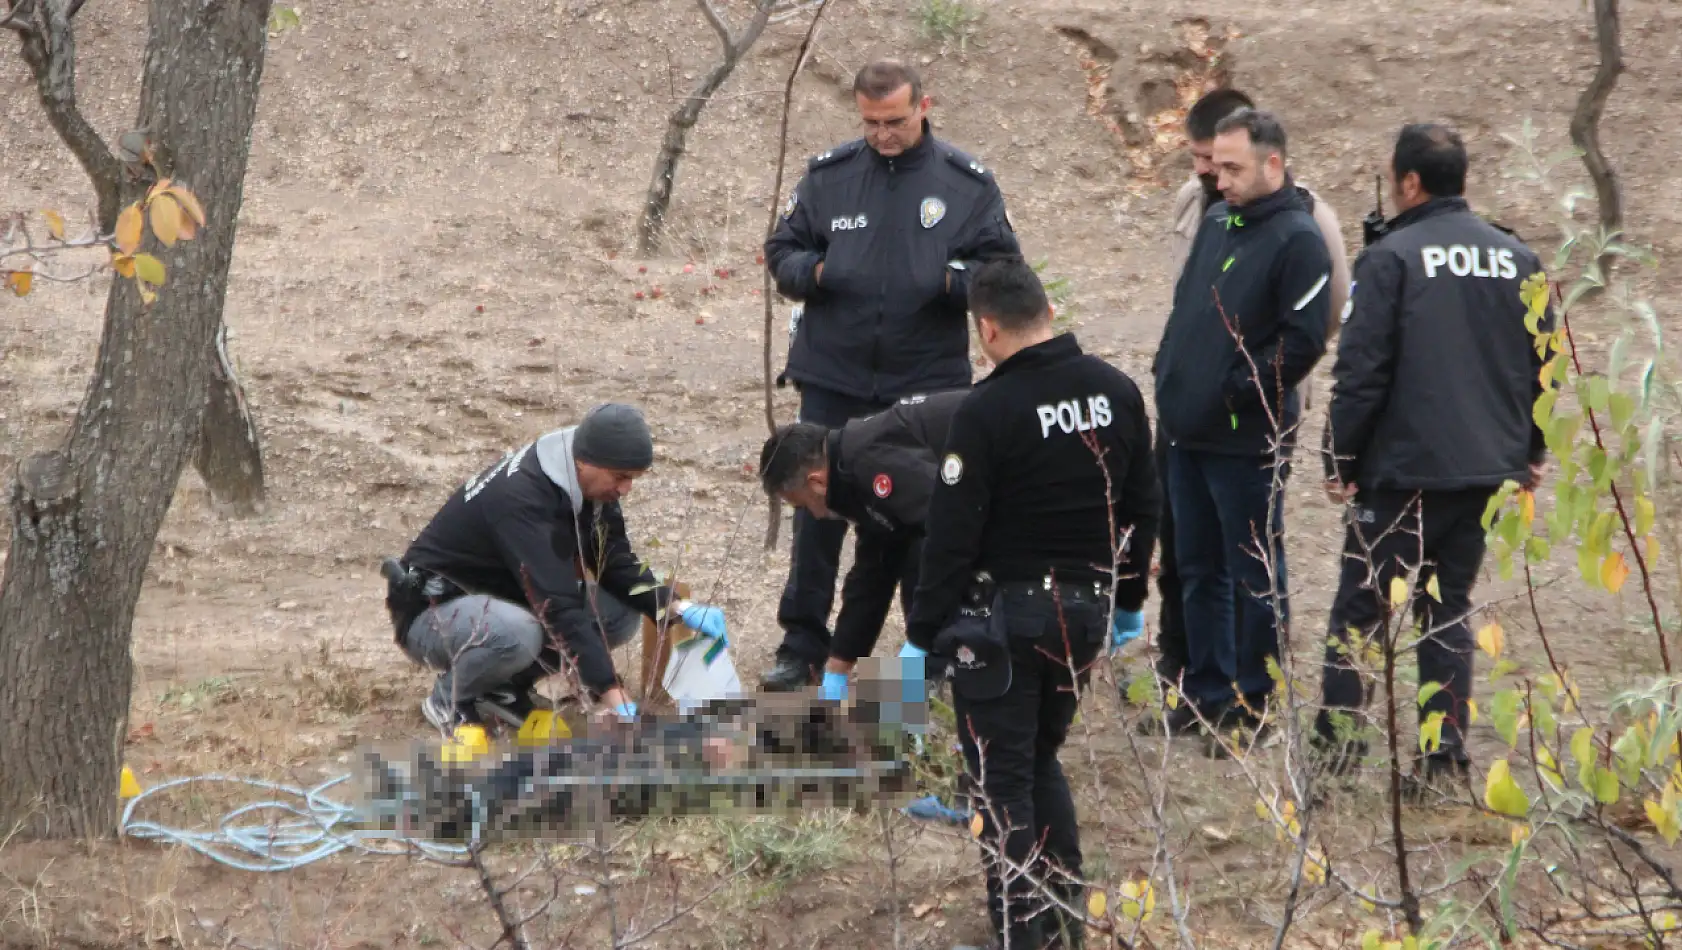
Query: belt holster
{"points": [[409, 592]]}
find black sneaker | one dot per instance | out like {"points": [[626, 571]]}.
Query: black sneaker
{"points": [[788, 676], [445, 717]]}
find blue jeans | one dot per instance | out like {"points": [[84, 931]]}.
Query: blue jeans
{"points": [[1220, 503]]}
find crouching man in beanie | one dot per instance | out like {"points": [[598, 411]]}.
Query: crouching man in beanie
{"points": [[493, 592]]}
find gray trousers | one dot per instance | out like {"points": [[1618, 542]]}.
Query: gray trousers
{"points": [[480, 644]]}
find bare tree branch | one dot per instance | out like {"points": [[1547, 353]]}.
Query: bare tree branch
{"points": [[774, 513], [716, 21], [49, 49], [1585, 122]]}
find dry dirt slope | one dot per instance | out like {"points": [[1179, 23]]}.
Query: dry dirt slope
{"points": [[433, 265]]}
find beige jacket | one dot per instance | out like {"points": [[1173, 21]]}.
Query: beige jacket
{"points": [[1188, 211]]}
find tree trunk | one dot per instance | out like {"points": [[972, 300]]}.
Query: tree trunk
{"points": [[85, 515], [684, 117], [230, 456]]}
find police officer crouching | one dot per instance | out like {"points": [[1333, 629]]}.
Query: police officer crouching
{"points": [[877, 473], [493, 594], [1435, 378], [1016, 580]]}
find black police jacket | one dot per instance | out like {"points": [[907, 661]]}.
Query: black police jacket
{"points": [[1258, 275], [882, 470], [511, 523], [1436, 373], [882, 321], [882, 467], [1023, 492]]}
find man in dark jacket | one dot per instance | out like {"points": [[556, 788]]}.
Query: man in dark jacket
{"points": [[1042, 525], [1435, 379], [877, 242], [1248, 325], [492, 594], [876, 473]]}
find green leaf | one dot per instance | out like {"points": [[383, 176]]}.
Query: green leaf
{"points": [[1623, 409], [1562, 432], [1644, 515], [1615, 361], [1536, 549], [1629, 750], [1503, 714], [1605, 786], [1140, 690], [1544, 408], [642, 588], [1427, 690], [1600, 393], [1502, 794], [282, 19], [1582, 752], [1650, 449], [1588, 564], [1542, 711]]}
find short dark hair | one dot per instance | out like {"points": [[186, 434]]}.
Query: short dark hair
{"points": [[791, 452], [878, 80], [1264, 128], [1208, 111], [1436, 153], [1008, 290]]}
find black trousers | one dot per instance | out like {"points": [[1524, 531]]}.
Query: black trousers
{"points": [[1431, 533], [883, 561], [1011, 744], [816, 553]]}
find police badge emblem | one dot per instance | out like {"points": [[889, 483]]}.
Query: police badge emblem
{"points": [[793, 199], [932, 211]]}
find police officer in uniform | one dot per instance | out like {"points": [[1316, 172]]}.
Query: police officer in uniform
{"points": [[877, 473], [1047, 505], [493, 593], [877, 242], [1435, 378]]}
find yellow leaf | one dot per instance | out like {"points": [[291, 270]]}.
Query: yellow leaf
{"points": [[1520, 832], [1314, 868], [1434, 590], [976, 825], [1372, 940], [1527, 507], [1398, 591], [129, 224], [1652, 549], [149, 269], [1548, 766], [189, 203], [1097, 904], [1502, 794], [1490, 640], [1138, 900], [55, 224], [157, 188], [122, 264], [1613, 572], [147, 295], [20, 281], [1471, 711], [166, 219], [1664, 821]]}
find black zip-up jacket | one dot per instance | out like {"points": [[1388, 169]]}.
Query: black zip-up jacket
{"points": [[1022, 493], [882, 322], [513, 522], [1261, 271], [882, 470], [1436, 373]]}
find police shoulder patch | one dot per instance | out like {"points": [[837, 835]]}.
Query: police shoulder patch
{"points": [[968, 164], [835, 154]]}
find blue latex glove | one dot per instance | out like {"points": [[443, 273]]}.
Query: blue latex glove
{"points": [[627, 711], [1126, 626], [834, 686], [709, 621], [912, 683]]}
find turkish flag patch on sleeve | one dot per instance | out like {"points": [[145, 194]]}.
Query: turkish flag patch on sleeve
{"points": [[883, 485]]}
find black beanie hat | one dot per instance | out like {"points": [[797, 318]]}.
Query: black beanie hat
{"points": [[614, 435]]}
